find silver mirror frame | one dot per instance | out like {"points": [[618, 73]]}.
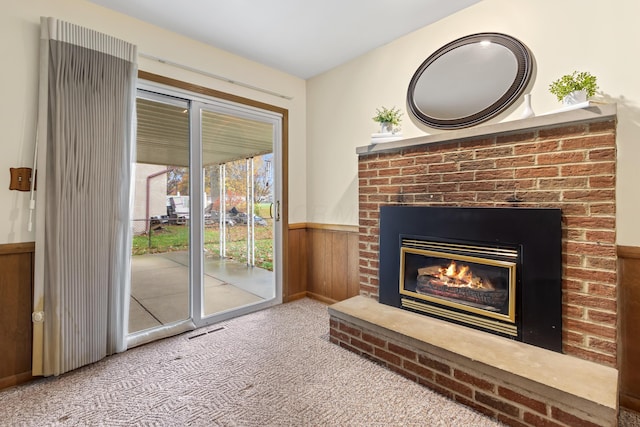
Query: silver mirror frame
{"points": [[523, 74]]}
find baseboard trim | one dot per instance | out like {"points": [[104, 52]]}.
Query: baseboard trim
{"points": [[311, 295], [630, 403], [321, 298], [16, 379], [296, 296]]}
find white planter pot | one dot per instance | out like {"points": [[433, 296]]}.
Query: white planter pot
{"points": [[575, 97], [386, 127]]}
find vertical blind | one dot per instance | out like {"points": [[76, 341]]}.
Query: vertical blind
{"points": [[85, 160]]}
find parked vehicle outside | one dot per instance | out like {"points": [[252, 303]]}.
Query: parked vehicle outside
{"points": [[178, 209]]}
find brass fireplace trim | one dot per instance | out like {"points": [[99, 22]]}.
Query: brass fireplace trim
{"points": [[511, 266], [480, 250], [461, 317]]}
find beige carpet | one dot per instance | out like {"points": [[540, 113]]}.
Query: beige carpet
{"points": [[271, 368]]}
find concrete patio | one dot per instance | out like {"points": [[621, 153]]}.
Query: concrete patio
{"points": [[160, 288]]}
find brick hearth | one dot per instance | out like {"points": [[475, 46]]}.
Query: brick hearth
{"points": [[565, 160], [513, 382]]}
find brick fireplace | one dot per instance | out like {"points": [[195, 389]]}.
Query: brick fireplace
{"points": [[564, 161]]}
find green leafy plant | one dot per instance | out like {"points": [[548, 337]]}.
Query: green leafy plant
{"points": [[573, 82], [385, 115]]}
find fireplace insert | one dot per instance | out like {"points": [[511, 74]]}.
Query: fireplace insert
{"points": [[493, 269], [475, 284]]}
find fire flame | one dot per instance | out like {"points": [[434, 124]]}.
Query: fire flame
{"points": [[462, 276]]}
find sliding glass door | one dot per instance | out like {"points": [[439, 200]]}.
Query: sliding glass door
{"points": [[206, 227], [235, 146]]}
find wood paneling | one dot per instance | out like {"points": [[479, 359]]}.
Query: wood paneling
{"points": [[295, 286], [16, 283], [338, 268], [332, 262], [629, 294], [318, 268]]}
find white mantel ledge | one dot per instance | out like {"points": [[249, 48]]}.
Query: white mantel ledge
{"points": [[593, 113]]}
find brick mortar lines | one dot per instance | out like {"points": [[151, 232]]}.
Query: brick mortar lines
{"points": [[454, 382], [392, 175], [529, 145]]}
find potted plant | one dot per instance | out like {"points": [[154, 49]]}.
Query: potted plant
{"points": [[574, 88], [388, 118]]}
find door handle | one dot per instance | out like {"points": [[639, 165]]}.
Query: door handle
{"points": [[271, 210], [278, 210]]}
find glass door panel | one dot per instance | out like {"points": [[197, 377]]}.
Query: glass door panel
{"points": [[160, 261], [238, 264]]}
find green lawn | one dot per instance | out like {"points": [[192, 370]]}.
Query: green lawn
{"points": [[176, 238]]}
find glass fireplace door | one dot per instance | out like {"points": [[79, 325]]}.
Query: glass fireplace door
{"points": [[466, 283]]}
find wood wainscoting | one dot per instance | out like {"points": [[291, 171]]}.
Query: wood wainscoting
{"points": [[295, 287], [323, 262], [629, 300], [16, 295]]}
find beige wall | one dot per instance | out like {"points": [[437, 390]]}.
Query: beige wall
{"points": [[334, 115], [19, 44], [567, 35]]}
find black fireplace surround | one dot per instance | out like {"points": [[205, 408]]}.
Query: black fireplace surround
{"points": [[525, 250]]}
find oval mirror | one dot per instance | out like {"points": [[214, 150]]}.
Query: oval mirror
{"points": [[469, 80]]}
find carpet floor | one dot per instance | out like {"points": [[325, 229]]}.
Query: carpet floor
{"points": [[275, 367]]}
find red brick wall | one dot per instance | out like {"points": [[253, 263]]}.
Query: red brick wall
{"points": [[569, 167]]}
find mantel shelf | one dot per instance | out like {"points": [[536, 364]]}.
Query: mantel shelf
{"points": [[595, 112]]}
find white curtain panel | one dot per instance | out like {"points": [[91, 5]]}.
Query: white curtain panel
{"points": [[85, 156]]}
